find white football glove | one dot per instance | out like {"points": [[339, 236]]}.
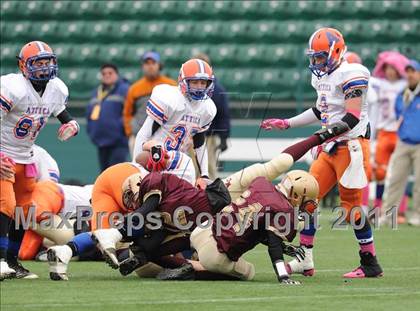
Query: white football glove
{"points": [[68, 130]]}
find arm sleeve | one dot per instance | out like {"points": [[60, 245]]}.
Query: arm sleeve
{"points": [[145, 133], [128, 112], [203, 160], [305, 118], [275, 250], [150, 204], [64, 117]]}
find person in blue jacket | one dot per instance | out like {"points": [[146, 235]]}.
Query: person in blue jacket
{"points": [[406, 157], [104, 117]]}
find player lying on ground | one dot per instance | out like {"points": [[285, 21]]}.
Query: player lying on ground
{"points": [[239, 181], [52, 202], [116, 191], [220, 246], [27, 99], [341, 89], [51, 199]]}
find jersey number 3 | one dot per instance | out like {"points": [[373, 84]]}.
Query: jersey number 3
{"points": [[175, 140]]}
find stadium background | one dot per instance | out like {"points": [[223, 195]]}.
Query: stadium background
{"points": [[256, 49]]}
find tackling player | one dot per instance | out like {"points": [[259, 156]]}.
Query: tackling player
{"points": [[263, 213], [27, 100], [178, 117], [341, 89]]}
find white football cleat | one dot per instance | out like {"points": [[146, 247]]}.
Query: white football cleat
{"points": [[58, 260], [5, 271], [106, 240], [305, 266], [414, 220]]}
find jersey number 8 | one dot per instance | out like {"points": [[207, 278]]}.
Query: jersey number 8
{"points": [[24, 126]]}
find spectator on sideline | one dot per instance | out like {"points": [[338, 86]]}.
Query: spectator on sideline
{"points": [[139, 93], [406, 156], [219, 130], [104, 117]]}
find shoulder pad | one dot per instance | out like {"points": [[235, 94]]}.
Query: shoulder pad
{"points": [[60, 86], [354, 76], [13, 86]]}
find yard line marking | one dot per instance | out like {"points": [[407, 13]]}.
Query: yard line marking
{"points": [[201, 301]]}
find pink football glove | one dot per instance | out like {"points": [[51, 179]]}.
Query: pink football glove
{"points": [[68, 130], [7, 167], [281, 124]]}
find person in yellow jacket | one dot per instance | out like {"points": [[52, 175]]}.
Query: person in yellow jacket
{"points": [[134, 112]]}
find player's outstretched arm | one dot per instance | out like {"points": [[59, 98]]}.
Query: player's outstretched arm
{"points": [[69, 127], [202, 158], [307, 117], [275, 250]]}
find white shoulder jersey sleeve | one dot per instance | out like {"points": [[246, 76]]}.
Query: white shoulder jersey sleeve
{"points": [[160, 104], [12, 90], [182, 166], [47, 168], [354, 76], [208, 116], [61, 93]]}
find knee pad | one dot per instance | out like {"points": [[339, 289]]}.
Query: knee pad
{"points": [[380, 172]]}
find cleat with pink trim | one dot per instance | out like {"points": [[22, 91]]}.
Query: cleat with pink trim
{"points": [[369, 268]]}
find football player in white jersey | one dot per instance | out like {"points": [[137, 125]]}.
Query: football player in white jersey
{"points": [[177, 117], [27, 99], [341, 89], [387, 82]]}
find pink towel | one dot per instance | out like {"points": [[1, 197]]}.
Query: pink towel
{"points": [[30, 170], [393, 58]]}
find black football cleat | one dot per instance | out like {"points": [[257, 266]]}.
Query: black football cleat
{"points": [[133, 262], [369, 267], [184, 273], [21, 272]]}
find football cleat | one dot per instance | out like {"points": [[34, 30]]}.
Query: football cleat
{"points": [[305, 266], [106, 240], [58, 260], [6, 272], [184, 273], [132, 261], [369, 268], [21, 272]]}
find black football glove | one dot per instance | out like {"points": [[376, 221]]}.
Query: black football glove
{"points": [[332, 131], [294, 251]]}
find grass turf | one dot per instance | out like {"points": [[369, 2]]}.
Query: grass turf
{"points": [[94, 286]]}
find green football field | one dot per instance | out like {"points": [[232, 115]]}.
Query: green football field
{"points": [[94, 286]]}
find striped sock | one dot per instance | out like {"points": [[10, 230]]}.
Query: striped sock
{"points": [[365, 238]]}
